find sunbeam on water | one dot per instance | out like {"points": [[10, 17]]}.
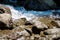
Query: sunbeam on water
{"points": [[19, 12]]}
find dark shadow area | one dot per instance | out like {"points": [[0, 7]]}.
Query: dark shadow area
{"points": [[3, 26], [28, 23], [2, 11], [36, 30], [58, 38], [45, 33], [37, 5], [57, 2], [29, 32]]}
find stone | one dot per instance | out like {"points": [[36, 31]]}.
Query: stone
{"points": [[53, 31], [50, 22], [5, 17], [19, 22], [55, 24]]}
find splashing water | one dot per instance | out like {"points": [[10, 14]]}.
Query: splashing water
{"points": [[19, 12]]}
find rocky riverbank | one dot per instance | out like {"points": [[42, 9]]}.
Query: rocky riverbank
{"points": [[38, 28]]}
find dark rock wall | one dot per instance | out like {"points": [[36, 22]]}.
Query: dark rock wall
{"points": [[57, 2], [35, 4]]}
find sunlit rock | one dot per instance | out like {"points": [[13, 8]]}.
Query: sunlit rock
{"points": [[53, 31], [58, 22], [5, 17], [39, 4], [50, 22], [19, 22]]}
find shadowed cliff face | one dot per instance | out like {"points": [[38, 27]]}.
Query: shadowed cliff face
{"points": [[40, 5], [57, 2]]}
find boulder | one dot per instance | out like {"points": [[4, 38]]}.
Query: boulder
{"points": [[19, 22], [5, 17]]}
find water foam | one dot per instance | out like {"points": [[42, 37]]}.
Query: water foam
{"points": [[19, 12]]}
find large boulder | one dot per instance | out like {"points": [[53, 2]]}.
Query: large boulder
{"points": [[5, 17]]}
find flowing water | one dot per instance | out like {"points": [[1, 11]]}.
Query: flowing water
{"points": [[19, 12]]}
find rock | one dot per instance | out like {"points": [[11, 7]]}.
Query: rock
{"points": [[5, 17], [53, 31], [58, 22], [49, 22], [55, 24], [19, 22], [29, 31], [39, 24], [45, 33], [28, 23]]}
